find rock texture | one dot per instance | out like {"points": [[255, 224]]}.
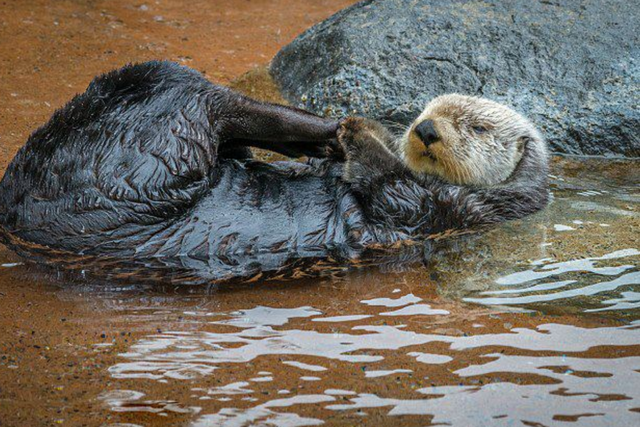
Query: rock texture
{"points": [[571, 65]]}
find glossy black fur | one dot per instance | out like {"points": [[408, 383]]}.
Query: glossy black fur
{"points": [[151, 163]]}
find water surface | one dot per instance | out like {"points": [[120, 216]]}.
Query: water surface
{"points": [[535, 322]]}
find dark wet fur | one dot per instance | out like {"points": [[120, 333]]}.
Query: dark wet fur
{"points": [[151, 165]]}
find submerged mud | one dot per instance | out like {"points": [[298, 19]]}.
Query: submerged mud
{"points": [[535, 322]]}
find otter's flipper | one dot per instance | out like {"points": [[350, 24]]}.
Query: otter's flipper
{"points": [[286, 130]]}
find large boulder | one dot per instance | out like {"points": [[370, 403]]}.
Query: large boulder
{"points": [[570, 65]]}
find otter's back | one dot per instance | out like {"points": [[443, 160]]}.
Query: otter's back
{"points": [[134, 148]]}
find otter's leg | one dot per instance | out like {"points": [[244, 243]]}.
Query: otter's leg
{"points": [[286, 130], [320, 149]]}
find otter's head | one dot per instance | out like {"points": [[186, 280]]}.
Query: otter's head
{"points": [[472, 141]]}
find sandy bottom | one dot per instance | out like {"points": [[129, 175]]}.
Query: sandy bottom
{"points": [[534, 323]]}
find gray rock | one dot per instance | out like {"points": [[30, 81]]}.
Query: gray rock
{"points": [[570, 65]]}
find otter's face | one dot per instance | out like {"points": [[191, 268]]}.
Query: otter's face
{"points": [[467, 140]]}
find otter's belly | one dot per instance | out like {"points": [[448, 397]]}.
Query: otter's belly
{"points": [[255, 213]]}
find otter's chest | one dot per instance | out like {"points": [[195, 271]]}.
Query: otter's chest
{"points": [[259, 211]]}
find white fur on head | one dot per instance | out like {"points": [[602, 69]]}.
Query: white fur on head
{"points": [[480, 141]]}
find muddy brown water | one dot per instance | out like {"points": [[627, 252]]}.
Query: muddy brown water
{"points": [[536, 322]]}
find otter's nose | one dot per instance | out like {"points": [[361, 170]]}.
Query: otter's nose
{"points": [[427, 132]]}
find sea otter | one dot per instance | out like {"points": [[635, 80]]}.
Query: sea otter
{"points": [[151, 164]]}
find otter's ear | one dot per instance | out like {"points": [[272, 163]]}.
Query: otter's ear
{"points": [[522, 143]]}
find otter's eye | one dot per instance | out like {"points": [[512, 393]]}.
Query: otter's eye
{"points": [[479, 129]]}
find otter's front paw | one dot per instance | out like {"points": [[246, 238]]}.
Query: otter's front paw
{"points": [[350, 131], [350, 127], [356, 134]]}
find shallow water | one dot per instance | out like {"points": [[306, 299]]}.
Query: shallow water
{"points": [[536, 322]]}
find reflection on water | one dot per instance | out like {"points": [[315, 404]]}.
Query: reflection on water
{"points": [[581, 255], [588, 285], [551, 374], [131, 401], [534, 323], [554, 379]]}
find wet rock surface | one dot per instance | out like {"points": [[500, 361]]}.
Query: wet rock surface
{"points": [[570, 66]]}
